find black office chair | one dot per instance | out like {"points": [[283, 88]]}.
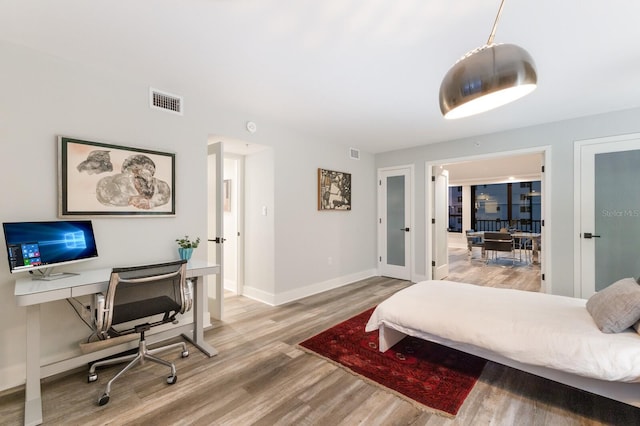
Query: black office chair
{"points": [[498, 242], [135, 293]]}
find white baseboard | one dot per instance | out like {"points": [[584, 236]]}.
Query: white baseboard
{"points": [[310, 290], [230, 285], [259, 295]]}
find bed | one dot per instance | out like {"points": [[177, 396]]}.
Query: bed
{"points": [[551, 336]]}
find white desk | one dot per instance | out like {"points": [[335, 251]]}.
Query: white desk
{"points": [[32, 293]]}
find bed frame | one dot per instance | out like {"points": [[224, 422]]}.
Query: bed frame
{"points": [[628, 393]]}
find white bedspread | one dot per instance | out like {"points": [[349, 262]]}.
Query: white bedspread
{"points": [[533, 328]]}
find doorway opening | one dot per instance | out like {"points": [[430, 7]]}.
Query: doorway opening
{"points": [[496, 192], [233, 219]]}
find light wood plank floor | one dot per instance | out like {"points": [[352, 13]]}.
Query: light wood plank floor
{"points": [[260, 377]]}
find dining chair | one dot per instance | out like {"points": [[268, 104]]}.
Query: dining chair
{"points": [[498, 242]]}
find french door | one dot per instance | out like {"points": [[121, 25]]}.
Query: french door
{"points": [[609, 211], [440, 223], [394, 222]]}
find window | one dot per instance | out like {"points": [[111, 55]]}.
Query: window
{"points": [[455, 209], [506, 205]]}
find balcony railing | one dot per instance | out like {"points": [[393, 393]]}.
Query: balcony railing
{"points": [[525, 225]]}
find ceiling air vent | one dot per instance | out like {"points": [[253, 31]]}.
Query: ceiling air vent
{"points": [[354, 153], [165, 101]]}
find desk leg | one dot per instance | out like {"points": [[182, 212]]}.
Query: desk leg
{"points": [[33, 398], [199, 307]]}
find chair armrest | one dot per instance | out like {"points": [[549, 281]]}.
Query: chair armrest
{"points": [[188, 295], [100, 314]]}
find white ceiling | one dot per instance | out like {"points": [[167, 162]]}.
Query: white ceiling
{"points": [[364, 73], [504, 169]]}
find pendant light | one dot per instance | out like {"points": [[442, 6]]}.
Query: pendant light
{"points": [[486, 78]]}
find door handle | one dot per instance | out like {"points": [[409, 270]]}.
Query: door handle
{"points": [[404, 229], [218, 240], [589, 235]]}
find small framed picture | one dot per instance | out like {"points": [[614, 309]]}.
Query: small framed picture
{"points": [[99, 179], [334, 190]]}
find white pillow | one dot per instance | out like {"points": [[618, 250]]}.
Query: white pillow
{"points": [[617, 307]]}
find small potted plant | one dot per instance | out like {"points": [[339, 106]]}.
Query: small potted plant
{"points": [[186, 246]]}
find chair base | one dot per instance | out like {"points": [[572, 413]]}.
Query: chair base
{"points": [[470, 253], [141, 356]]}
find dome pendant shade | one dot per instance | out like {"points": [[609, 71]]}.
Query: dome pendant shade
{"points": [[486, 78]]}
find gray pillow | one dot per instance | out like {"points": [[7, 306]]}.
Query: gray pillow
{"points": [[616, 307]]}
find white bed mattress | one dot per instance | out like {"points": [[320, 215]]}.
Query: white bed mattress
{"points": [[532, 328]]}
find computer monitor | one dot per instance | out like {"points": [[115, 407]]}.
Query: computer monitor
{"points": [[41, 246]]}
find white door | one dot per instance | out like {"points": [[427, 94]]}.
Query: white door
{"points": [[232, 223], [394, 221], [215, 236], [440, 223], [609, 204]]}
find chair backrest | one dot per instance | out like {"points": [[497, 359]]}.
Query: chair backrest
{"points": [[499, 241], [144, 291]]}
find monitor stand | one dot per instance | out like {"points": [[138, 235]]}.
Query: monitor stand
{"points": [[48, 275]]}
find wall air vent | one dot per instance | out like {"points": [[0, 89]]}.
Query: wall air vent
{"points": [[165, 101], [354, 153]]}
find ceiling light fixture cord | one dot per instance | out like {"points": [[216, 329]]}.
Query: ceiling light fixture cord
{"points": [[495, 25]]}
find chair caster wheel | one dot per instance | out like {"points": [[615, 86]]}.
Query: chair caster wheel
{"points": [[172, 379], [185, 354], [104, 399], [92, 378]]}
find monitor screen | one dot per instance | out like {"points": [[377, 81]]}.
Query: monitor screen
{"points": [[43, 245]]}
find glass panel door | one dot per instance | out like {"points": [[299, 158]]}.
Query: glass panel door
{"points": [[395, 220], [394, 234], [617, 216], [609, 211]]}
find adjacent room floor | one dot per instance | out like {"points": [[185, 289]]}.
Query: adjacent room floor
{"points": [[502, 272]]}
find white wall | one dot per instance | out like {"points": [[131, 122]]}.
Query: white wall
{"points": [[560, 136], [348, 237], [259, 226]]}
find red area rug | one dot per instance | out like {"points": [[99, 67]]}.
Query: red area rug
{"points": [[432, 375]]}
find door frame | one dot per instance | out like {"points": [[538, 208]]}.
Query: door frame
{"points": [[579, 290], [411, 200], [546, 269]]}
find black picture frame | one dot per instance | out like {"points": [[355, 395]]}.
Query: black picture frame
{"points": [[101, 179], [334, 190]]}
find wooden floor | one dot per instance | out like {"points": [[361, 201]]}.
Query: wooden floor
{"points": [[260, 376]]}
